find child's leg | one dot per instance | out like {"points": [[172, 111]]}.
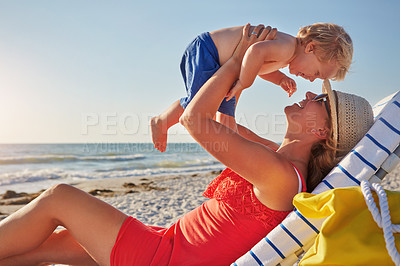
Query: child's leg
{"points": [[93, 223], [59, 248], [160, 124]]}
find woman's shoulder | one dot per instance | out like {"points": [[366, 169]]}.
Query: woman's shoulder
{"points": [[280, 185]]}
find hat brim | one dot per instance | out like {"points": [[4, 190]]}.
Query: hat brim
{"points": [[326, 88]]}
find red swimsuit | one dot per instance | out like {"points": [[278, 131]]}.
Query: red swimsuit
{"points": [[215, 233]]}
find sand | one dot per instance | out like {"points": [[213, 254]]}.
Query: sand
{"points": [[155, 200], [163, 201]]}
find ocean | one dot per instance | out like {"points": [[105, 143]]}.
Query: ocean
{"points": [[32, 167]]}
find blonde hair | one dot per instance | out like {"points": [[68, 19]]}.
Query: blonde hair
{"points": [[331, 43]]}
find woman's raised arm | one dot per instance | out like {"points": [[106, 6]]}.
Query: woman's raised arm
{"points": [[251, 160]]}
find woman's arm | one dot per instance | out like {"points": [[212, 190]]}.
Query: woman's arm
{"points": [[253, 161], [250, 135]]}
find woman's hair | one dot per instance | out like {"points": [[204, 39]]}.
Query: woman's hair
{"points": [[322, 160], [332, 43]]}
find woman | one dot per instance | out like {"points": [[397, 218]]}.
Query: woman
{"points": [[247, 200]]}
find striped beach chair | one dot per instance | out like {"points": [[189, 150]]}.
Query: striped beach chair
{"points": [[371, 159]]}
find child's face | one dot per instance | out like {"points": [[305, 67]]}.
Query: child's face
{"points": [[307, 65]]}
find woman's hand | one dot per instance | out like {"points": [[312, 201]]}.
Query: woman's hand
{"points": [[260, 33]]}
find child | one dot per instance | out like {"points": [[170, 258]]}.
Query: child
{"points": [[320, 50]]}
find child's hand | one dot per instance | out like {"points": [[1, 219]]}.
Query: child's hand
{"points": [[237, 87], [289, 85]]}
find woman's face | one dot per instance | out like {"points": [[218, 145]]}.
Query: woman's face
{"points": [[307, 115]]}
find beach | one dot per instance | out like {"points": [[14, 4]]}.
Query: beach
{"points": [[155, 200], [158, 198]]}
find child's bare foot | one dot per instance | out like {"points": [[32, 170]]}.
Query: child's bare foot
{"points": [[158, 135]]}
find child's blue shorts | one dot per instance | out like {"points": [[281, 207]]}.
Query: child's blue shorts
{"points": [[199, 62]]}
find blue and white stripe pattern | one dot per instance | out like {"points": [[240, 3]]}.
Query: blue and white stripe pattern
{"points": [[296, 231]]}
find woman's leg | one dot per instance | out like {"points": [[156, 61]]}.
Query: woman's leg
{"points": [[91, 222], [159, 125], [59, 248]]}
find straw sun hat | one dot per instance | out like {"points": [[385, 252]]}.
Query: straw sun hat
{"points": [[351, 121]]}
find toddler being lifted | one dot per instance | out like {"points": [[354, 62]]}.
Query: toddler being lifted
{"points": [[320, 50]]}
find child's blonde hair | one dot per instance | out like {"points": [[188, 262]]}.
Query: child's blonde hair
{"points": [[332, 43]]}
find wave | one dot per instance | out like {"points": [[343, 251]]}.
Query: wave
{"points": [[50, 158], [30, 176]]}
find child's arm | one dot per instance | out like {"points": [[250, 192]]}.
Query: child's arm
{"points": [[257, 55], [274, 77], [280, 79]]}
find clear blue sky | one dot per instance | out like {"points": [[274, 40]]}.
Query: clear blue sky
{"points": [[95, 71]]}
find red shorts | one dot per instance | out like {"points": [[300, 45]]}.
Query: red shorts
{"points": [[136, 243]]}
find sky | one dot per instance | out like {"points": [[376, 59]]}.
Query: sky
{"points": [[96, 71]]}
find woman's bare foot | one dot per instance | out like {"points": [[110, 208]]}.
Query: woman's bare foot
{"points": [[158, 133]]}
